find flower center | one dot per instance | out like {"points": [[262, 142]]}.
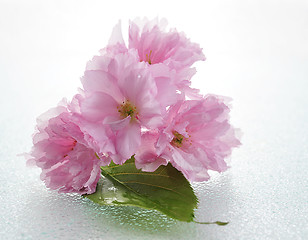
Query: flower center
{"points": [[177, 141], [72, 148], [127, 109]]}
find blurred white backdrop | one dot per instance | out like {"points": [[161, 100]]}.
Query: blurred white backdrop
{"points": [[257, 53]]}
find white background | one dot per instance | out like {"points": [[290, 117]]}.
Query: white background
{"points": [[257, 53]]}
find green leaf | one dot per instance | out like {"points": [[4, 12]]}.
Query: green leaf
{"points": [[165, 190]]}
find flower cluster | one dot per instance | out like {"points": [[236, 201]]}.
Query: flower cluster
{"points": [[136, 101]]}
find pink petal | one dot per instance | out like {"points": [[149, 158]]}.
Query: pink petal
{"points": [[97, 106], [128, 140], [146, 157], [100, 81], [116, 36], [116, 123]]}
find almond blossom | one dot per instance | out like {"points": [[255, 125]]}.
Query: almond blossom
{"points": [[120, 95], [68, 162], [136, 101], [196, 137], [163, 49]]}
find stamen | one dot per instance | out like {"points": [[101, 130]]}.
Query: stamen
{"points": [[177, 141], [127, 109], [72, 148], [148, 58]]}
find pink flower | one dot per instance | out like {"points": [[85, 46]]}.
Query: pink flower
{"points": [[161, 49], [67, 161], [120, 94], [196, 137], [155, 45]]}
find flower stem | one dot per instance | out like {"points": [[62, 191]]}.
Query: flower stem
{"points": [[217, 222]]}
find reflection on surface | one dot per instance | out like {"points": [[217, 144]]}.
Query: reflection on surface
{"points": [[63, 215]]}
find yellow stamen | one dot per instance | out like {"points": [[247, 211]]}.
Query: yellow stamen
{"points": [[148, 58], [127, 109], [96, 155], [177, 141]]}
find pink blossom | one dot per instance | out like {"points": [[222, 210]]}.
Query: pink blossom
{"points": [[161, 49], [120, 94], [155, 45], [196, 137], [67, 161]]}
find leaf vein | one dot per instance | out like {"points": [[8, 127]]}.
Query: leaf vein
{"points": [[169, 189], [142, 173]]}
